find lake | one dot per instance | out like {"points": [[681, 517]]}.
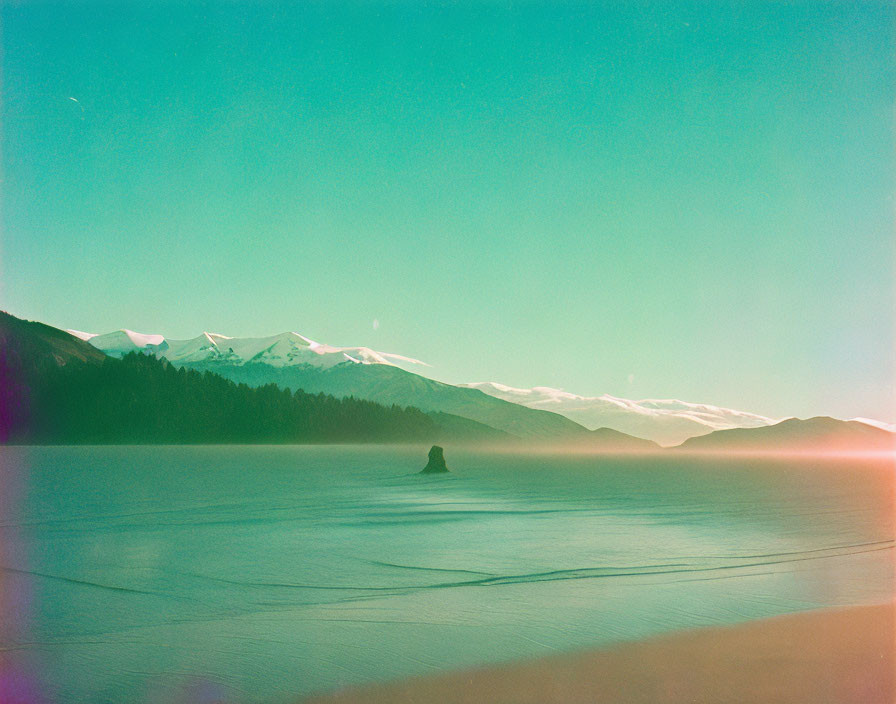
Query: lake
{"points": [[262, 574]]}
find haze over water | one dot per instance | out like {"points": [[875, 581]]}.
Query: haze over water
{"points": [[265, 573]]}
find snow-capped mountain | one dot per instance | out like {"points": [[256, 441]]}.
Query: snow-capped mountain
{"points": [[666, 421], [293, 361], [283, 350]]}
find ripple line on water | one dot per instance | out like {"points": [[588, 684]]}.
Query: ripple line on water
{"points": [[429, 569], [87, 583], [568, 574]]}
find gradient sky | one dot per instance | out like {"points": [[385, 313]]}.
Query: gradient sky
{"points": [[689, 200]]}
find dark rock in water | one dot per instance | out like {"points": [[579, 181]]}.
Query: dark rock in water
{"points": [[436, 461]]}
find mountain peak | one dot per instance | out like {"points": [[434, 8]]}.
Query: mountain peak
{"points": [[124, 341]]}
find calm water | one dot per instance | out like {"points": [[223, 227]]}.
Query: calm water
{"points": [[264, 573]]}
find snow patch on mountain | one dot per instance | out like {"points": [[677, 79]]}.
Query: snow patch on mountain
{"points": [[81, 335], [121, 342], [283, 350], [891, 427]]}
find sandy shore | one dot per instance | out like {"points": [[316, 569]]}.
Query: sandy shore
{"points": [[817, 657]]}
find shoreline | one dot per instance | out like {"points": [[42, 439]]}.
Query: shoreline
{"points": [[831, 655]]}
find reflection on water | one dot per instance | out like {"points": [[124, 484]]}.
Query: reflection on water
{"points": [[259, 574]]}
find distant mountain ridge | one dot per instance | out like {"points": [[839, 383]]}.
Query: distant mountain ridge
{"points": [[666, 421], [819, 434]]}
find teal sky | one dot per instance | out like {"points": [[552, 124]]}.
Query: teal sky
{"points": [[650, 200]]}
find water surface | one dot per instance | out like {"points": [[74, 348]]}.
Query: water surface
{"points": [[256, 574]]}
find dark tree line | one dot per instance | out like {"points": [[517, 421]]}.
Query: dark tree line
{"points": [[140, 399]]}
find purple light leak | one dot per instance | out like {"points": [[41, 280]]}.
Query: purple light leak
{"points": [[19, 672], [13, 399]]}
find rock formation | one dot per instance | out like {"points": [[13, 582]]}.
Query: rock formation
{"points": [[436, 462]]}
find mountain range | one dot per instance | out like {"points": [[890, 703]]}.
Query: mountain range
{"points": [[283, 350], [294, 361], [57, 389], [314, 377]]}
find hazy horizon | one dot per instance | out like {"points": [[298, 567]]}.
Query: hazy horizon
{"points": [[674, 200]]}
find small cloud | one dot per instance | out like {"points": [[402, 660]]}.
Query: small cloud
{"points": [[376, 324]]}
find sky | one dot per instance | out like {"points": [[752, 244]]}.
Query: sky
{"points": [[677, 200]]}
